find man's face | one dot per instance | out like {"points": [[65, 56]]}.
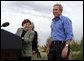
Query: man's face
{"points": [[56, 11]]}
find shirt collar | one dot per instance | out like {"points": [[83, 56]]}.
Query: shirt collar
{"points": [[54, 19]]}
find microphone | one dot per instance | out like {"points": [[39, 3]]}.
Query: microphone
{"points": [[5, 24]]}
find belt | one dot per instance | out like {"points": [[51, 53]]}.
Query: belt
{"points": [[58, 42]]}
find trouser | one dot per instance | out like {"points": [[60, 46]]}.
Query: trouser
{"points": [[56, 49]]}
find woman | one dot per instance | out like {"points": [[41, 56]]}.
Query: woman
{"points": [[27, 36]]}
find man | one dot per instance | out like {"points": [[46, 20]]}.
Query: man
{"points": [[61, 35]]}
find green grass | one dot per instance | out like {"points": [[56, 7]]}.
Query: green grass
{"points": [[77, 55]]}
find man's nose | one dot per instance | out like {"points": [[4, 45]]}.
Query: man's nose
{"points": [[55, 11]]}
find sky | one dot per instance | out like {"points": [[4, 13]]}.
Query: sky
{"points": [[40, 13]]}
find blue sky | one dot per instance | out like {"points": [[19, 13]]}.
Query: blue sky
{"points": [[40, 13]]}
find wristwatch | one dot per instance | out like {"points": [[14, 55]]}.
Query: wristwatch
{"points": [[67, 44]]}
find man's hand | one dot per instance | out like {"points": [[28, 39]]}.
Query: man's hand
{"points": [[47, 50], [48, 46], [65, 51]]}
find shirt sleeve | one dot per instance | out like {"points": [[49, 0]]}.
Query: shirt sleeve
{"points": [[68, 29]]}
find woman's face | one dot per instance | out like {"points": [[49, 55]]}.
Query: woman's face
{"points": [[26, 26]]}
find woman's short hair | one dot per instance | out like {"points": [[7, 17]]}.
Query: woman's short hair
{"points": [[26, 21]]}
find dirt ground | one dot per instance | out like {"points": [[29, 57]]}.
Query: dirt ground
{"points": [[43, 56]]}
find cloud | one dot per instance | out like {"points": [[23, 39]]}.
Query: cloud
{"points": [[37, 6], [29, 7], [40, 12]]}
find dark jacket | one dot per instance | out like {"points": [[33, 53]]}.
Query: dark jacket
{"points": [[35, 42]]}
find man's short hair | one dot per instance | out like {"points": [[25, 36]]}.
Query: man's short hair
{"points": [[60, 6]]}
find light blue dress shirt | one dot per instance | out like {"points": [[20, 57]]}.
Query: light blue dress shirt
{"points": [[61, 29]]}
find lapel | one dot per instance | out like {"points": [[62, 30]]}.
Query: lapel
{"points": [[21, 30], [27, 34]]}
